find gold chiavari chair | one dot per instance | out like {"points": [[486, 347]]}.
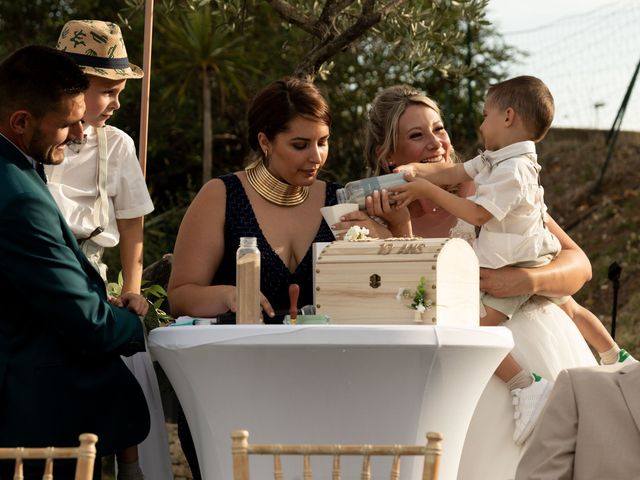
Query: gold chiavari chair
{"points": [[241, 449], [85, 456]]}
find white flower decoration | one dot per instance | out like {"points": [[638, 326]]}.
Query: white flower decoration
{"points": [[356, 233]]}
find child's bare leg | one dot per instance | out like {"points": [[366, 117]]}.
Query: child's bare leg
{"points": [[589, 325], [508, 368], [492, 318], [128, 468], [595, 334]]}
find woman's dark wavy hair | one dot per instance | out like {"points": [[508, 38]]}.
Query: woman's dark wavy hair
{"points": [[273, 108]]}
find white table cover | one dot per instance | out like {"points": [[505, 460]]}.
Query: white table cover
{"points": [[327, 384]]}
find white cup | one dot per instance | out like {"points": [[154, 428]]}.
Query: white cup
{"points": [[333, 213]]}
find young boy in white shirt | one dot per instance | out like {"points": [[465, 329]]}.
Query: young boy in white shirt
{"points": [[102, 194], [509, 207]]}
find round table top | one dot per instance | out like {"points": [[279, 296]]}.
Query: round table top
{"points": [[182, 337]]}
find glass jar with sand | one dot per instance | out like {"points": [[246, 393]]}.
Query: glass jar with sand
{"points": [[248, 281]]}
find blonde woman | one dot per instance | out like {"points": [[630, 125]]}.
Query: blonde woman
{"points": [[405, 126]]}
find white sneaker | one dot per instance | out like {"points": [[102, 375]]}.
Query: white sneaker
{"points": [[528, 404], [624, 358]]}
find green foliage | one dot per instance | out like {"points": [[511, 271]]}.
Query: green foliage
{"points": [[420, 302], [40, 22], [208, 39]]}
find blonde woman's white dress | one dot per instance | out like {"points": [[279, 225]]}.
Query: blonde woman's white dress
{"points": [[546, 342]]}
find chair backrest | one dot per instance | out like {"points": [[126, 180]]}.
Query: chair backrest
{"points": [[85, 456], [241, 449]]}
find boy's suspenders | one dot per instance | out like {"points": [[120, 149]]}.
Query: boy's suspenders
{"points": [[101, 205]]}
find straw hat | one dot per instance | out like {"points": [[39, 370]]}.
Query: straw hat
{"points": [[98, 48]]}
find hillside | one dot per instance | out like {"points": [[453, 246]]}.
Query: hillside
{"points": [[605, 225]]}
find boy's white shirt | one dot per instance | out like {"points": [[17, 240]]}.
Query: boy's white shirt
{"points": [[507, 186], [73, 185]]}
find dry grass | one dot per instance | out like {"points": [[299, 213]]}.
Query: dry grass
{"points": [[610, 221]]}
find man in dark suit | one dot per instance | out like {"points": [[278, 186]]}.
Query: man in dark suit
{"points": [[60, 339]]}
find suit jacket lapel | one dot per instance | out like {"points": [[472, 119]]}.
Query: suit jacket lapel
{"points": [[629, 381], [9, 152], [40, 171], [12, 154]]}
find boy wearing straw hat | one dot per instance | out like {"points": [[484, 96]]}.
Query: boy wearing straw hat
{"points": [[102, 198], [102, 194]]}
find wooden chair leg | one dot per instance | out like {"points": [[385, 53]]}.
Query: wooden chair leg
{"points": [[48, 466], [277, 468], [432, 456], [307, 474], [240, 442], [395, 468], [335, 473], [86, 456], [366, 467], [18, 473]]}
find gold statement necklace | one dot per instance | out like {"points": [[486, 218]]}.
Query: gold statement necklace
{"points": [[272, 189]]}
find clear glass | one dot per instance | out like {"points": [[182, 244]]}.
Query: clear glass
{"points": [[248, 281], [358, 190]]}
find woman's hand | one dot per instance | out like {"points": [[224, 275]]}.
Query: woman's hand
{"points": [[266, 306], [378, 205], [505, 281], [361, 219], [564, 275], [228, 297], [398, 220]]}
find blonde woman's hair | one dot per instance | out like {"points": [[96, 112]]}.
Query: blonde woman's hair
{"points": [[382, 129]]}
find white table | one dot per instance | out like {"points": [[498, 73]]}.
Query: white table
{"points": [[327, 384]]}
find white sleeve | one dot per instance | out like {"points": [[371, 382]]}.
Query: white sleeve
{"points": [[472, 167], [132, 197], [502, 192]]}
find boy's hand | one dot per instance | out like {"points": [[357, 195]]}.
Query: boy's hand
{"points": [[133, 302], [420, 170], [410, 169], [414, 189]]}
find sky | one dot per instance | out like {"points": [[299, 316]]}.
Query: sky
{"points": [[586, 51]]}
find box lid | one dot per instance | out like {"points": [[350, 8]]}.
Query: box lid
{"points": [[382, 250]]}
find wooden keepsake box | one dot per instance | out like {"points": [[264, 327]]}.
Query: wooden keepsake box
{"points": [[358, 282]]}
